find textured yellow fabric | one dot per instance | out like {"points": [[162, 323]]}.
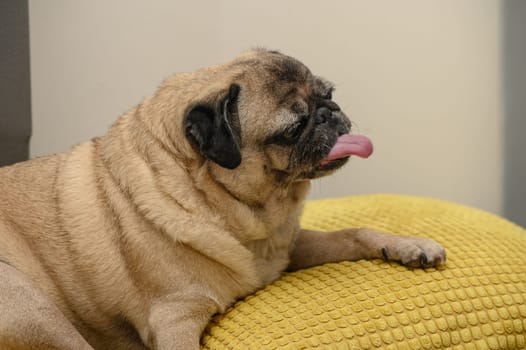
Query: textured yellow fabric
{"points": [[477, 301]]}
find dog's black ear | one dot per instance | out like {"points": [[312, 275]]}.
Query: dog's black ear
{"points": [[215, 129]]}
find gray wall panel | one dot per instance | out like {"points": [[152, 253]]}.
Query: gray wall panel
{"points": [[15, 90], [514, 87]]}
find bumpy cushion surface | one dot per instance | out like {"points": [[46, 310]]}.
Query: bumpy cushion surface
{"points": [[476, 301]]}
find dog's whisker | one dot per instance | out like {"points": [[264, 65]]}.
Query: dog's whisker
{"points": [[355, 128]]}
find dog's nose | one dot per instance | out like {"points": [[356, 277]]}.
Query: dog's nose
{"points": [[322, 115]]}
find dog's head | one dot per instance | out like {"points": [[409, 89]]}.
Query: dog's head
{"points": [[264, 117]]}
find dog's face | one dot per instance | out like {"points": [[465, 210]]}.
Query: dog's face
{"points": [[273, 119]]}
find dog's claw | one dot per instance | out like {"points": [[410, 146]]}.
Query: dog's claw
{"points": [[384, 254], [415, 252], [423, 260]]}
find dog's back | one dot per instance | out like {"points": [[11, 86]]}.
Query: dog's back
{"points": [[27, 192], [28, 215]]}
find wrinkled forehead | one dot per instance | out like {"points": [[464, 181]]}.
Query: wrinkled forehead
{"points": [[281, 89], [289, 76], [282, 76]]}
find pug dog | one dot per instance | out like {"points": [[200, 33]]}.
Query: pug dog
{"points": [[192, 200]]}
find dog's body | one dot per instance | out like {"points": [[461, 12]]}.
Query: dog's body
{"points": [[189, 202]]}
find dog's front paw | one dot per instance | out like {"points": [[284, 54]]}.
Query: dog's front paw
{"points": [[414, 252]]}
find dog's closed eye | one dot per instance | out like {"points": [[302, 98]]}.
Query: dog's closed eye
{"points": [[291, 134]]}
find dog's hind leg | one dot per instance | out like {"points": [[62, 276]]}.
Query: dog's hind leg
{"points": [[29, 319]]}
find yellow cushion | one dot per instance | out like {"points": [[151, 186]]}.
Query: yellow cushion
{"points": [[477, 301]]}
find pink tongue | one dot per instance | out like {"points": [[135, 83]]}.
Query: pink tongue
{"points": [[348, 145]]}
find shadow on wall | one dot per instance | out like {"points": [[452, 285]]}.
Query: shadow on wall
{"points": [[514, 89]]}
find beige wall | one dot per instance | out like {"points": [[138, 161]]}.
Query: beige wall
{"points": [[421, 78]]}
